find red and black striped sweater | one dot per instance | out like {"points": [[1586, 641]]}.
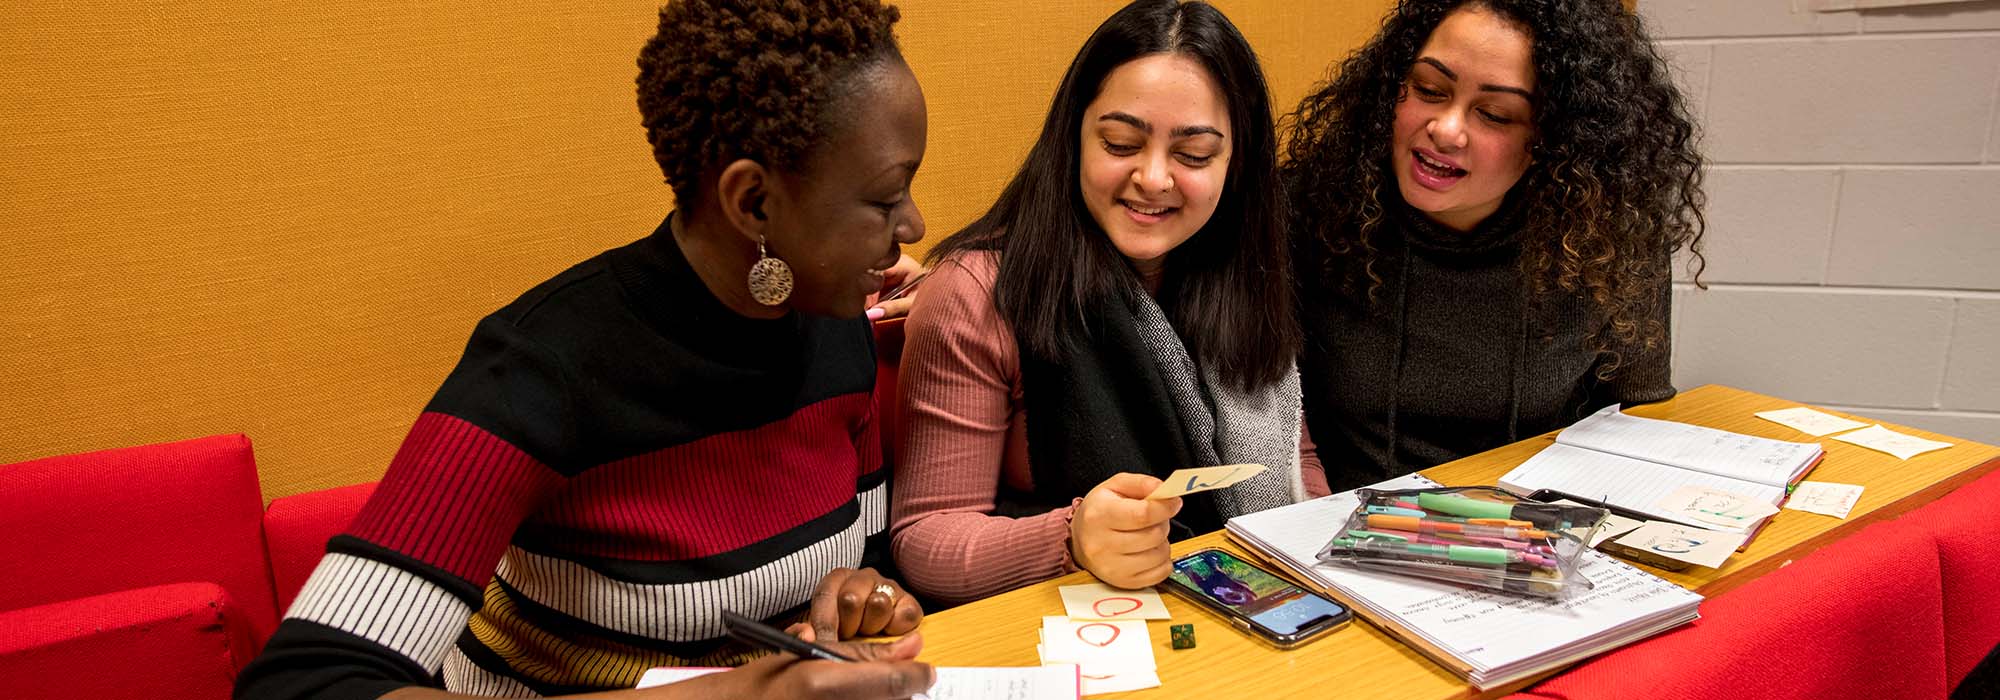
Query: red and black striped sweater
{"points": [[616, 459]]}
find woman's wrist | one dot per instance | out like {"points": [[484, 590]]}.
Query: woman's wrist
{"points": [[1071, 562]]}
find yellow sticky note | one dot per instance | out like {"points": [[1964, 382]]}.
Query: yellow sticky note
{"points": [[1185, 481]]}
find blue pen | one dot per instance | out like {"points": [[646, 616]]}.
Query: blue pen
{"points": [[1392, 510]]}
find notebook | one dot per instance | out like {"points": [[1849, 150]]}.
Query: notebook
{"points": [[1489, 637], [1636, 463]]}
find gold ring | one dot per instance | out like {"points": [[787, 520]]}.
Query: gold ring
{"points": [[886, 590]]}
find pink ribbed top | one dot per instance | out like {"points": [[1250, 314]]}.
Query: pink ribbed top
{"points": [[963, 435]]}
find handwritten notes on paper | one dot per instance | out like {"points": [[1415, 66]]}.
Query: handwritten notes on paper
{"points": [[1825, 498], [1004, 683], [1714, 507], [1185, 481], [1810, 422], [1880, 439], [1051, 682], [1096, 601], [1689, 544]]}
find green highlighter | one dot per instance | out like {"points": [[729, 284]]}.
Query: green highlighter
{"points": [[1433, 552], [1543, 515]]}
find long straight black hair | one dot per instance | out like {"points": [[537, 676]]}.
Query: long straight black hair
{"points": [[1227, 289]]}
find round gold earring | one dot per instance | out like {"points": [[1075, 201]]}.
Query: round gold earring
{"points": [[770, 278]]}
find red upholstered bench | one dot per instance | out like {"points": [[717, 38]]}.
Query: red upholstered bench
{"points": [[296, 529], [156, 572], [133, 573], [1903, 609], [1968, 550]]}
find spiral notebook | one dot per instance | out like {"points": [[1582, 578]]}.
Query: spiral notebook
{"points": [[1489, 637], [1636, 463]]}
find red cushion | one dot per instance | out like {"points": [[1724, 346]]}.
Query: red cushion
{"points": [[183, 641], [102, 522], [1969, 559], [1861, 618], [296, 529], [888, 362]]}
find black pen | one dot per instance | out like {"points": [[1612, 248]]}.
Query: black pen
{"points": [[903, 288], [763, 636]]}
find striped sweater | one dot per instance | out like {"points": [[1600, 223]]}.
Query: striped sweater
{"points": [[616, 459]]}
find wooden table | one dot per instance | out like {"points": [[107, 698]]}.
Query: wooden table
{"points": [[1363, 662]]}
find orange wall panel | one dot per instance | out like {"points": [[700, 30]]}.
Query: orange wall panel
{"points": [[283, 218]]}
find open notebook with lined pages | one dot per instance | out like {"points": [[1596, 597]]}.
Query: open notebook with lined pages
{"points": [[1634, 463], [1489, 637]]}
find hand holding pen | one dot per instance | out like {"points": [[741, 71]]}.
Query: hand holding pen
{"points": [[897, 284], [843, 671]]}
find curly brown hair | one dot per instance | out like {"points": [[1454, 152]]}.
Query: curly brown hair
{"points": [[730, 79], [1614, 190]]}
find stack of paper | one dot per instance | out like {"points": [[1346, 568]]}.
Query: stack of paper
{"points": [[1110, 655], [1668, 471], [1489, 637]]}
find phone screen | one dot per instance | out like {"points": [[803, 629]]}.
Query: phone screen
{"points": [[1262, 598]]}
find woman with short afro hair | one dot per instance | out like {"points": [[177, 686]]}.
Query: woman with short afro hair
{"points": [[1486, 201], [674, 428]]}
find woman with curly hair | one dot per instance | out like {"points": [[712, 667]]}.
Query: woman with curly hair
{"points": [[1123, 310], [1486, 202], [673, 428]]}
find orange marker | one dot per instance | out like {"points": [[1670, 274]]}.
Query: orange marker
{"points": [[1409, 524]]}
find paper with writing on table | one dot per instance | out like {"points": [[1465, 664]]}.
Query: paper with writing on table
{"points": [[1096, 601], [1491, 637], [1051, 682], [1689, 544], [1185, 481], [1636, 463], [1880, 439], [1111, 655], [1693, 447], [1613, 525], [1824, 498], [1635, 484], [1810, 422], [1711, 506]]}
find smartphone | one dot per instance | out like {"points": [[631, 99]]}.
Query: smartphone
{"points": [[1255, 600]]}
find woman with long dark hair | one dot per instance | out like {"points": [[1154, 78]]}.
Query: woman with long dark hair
{"points": [[1123, 310], [1487, 199]]}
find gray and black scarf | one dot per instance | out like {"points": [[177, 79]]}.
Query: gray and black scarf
{"points": [[1130, 399]]}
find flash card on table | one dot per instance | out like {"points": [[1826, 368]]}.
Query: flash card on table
{"points": [[1715, 507], [1185, 481], [1689, 544], [1096, 601], [1824, 498], [1880, 439], [1111, 656], [1810, 422]]}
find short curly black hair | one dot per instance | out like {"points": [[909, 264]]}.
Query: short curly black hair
{"points": [[1615, 186], [729, 79]]}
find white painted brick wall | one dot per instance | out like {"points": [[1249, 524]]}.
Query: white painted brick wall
{"points": [[1933, 18], [1972, 368], [1677, 18], [1851, 100], [1854, 206], [1851, 348], [1768, 225], [1918, 228]]}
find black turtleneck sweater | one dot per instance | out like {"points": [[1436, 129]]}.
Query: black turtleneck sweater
{"points": [[1451, 357]]}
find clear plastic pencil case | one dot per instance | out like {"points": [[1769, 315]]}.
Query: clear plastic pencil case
{"points": [[1476, 535]]}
